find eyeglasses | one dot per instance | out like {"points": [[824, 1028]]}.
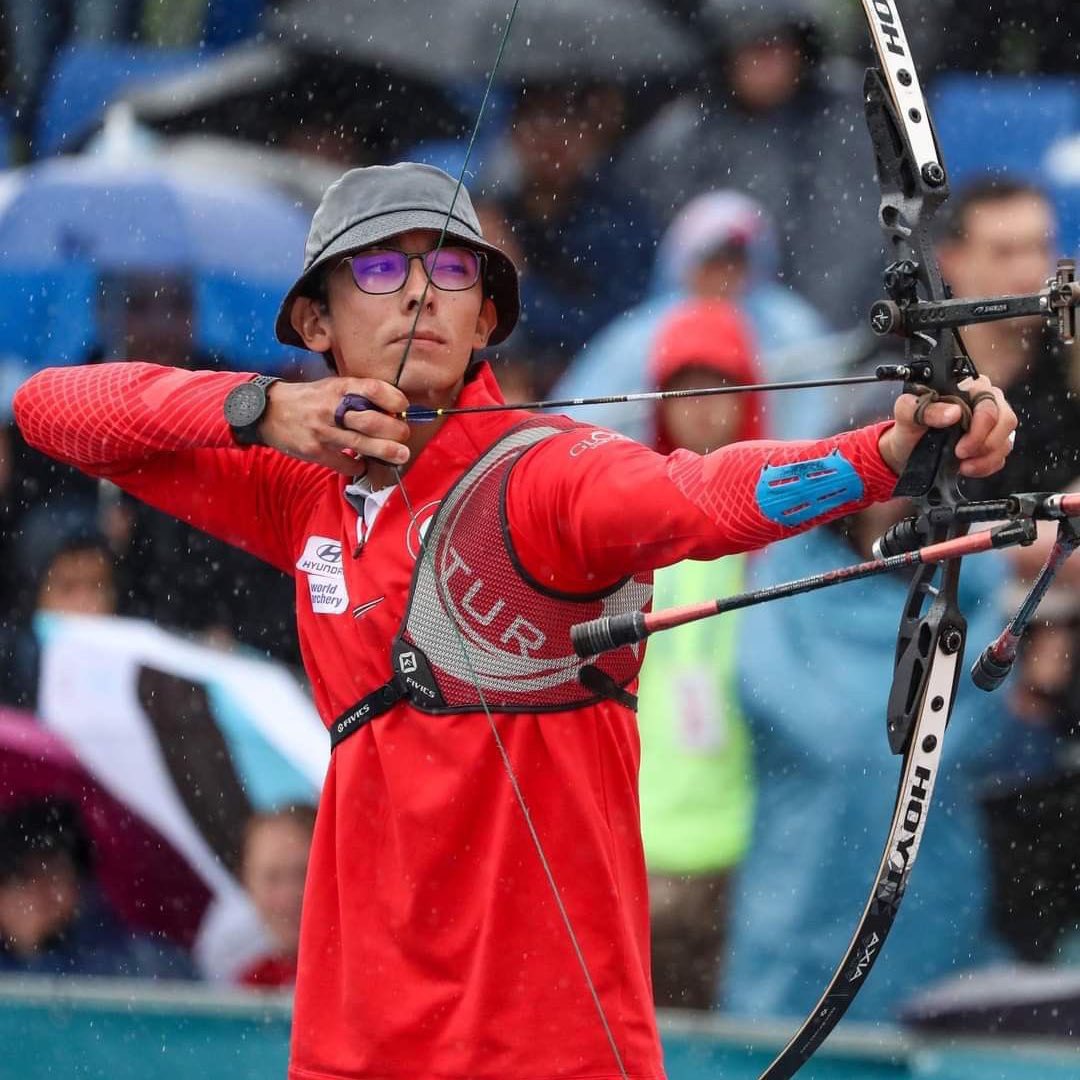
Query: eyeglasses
{"points": [[385, 270]]}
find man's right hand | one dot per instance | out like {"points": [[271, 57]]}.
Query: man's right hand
{"points": [[299, 421]]}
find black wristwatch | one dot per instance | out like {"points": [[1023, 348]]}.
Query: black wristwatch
{"points": [[244, 408]]}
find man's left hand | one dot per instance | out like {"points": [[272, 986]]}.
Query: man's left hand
{"points": [[982, 449]]}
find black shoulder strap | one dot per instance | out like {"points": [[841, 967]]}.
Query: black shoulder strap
{"points": [[366, 709]]}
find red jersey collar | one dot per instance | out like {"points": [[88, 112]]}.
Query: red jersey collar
{"points": [[461, 438]]}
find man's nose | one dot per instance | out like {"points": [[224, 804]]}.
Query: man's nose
{"points": [[416, 283]]}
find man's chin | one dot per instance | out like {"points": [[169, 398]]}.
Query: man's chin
{"points": [[430, 389]]}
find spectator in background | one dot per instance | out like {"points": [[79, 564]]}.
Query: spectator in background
{"points": [[273, 868], [720, 246], [53, 919], [79, 580], [34, 30], [63, 564], [695, 779], [173, 574], [999, 238], [585, 239], [814, 673], [1031, 819], [149, 313], [775, 117], [166, 571]]}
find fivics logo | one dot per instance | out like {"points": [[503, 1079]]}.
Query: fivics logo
{"points": [[353, 718]]}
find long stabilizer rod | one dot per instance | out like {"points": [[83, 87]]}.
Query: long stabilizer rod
{"points": [[613, 631]]}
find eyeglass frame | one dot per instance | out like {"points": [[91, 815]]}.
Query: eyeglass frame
{"points": [[481, 266]]}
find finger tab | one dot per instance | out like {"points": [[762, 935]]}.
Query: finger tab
{"points": [[350, 403]]}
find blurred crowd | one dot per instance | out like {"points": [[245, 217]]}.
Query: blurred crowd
{"points": [[692, 201]]}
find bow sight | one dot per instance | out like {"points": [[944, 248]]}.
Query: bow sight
{"points": [[904, 314]]}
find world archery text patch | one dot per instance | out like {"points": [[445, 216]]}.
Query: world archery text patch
{"points": [[329, 595], [321, 561]]}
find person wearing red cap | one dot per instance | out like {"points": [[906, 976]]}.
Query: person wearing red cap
{"points": [[696, 783], [439, 567]]}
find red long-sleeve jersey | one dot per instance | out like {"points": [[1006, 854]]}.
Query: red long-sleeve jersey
{"points": [[431, 945]]}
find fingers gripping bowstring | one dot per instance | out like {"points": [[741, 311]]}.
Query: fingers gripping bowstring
{"points": [[425, 553]]}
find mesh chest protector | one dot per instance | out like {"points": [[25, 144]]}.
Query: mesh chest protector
{"points": [[469, 591]]}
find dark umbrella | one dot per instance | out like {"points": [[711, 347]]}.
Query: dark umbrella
{"points": [[304, 93], [429, 40], [622, 41], [148, 882], [455, 40]]}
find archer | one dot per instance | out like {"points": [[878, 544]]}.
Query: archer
{"points": [[438, 569]]}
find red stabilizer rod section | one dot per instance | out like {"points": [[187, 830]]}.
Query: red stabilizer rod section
{"points": [[614, 631], [1061, 506]]}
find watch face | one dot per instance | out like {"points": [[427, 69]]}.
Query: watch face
{"points": [[244, 405]]}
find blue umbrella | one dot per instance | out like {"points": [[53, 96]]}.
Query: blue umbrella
{"points": [[69, 222]]}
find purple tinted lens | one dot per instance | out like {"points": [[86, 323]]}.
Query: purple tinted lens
{"points": [[453, 267], [380, 271], [386, 270]]}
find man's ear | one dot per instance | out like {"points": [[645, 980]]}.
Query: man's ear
{"points": [[310, 318], [485, 323]]}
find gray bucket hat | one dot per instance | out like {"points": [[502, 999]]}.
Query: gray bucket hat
{"points": [[374, 203]]}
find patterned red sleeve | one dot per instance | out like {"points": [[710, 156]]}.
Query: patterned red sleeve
{"points": [[160, 433], [589, 507], [107, 414]]}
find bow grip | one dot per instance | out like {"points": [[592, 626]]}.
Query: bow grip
{"points": [[924, 464]]}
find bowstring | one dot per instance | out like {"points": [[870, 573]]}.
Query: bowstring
{"points": [[460, 183], [426, 553]]}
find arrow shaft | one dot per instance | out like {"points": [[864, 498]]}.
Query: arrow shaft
{"points": [[884, 373]]}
